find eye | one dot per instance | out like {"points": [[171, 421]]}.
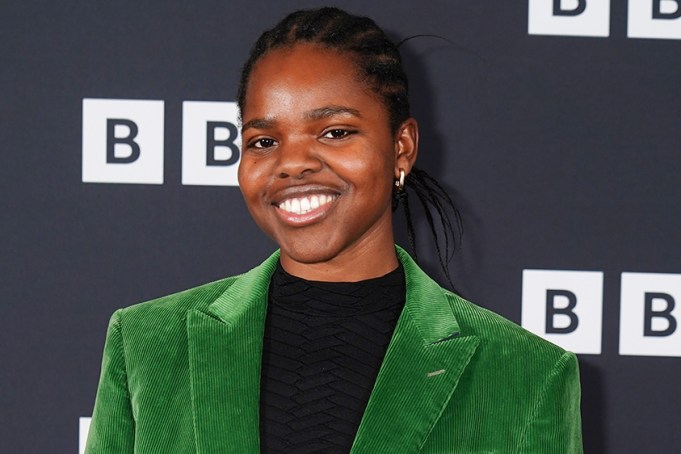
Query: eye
{"points": [[265, 142], [337, 133]]}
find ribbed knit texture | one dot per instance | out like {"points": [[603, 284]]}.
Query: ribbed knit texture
{"points": [[324, 344]]}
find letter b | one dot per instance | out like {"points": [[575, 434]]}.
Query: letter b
{"points": [[649, 314], [129, 140], [569, 17], [564, 307], [659, 14], [558, 9], [212, 142], [567, 311]]}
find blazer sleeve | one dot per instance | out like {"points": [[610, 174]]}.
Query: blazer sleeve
{"points": [[555, 426], [112, 428]]}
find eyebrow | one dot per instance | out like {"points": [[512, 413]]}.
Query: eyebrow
{"points": [[330, 111], [315, 114], [258, 123]]}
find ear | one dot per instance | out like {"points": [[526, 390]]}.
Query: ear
{"points": [[406, 146]]}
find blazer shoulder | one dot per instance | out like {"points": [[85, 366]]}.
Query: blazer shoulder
{"points": [[165, 309], [500, 334]]}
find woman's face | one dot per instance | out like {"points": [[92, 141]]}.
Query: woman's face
{"points": [[319, 161]]}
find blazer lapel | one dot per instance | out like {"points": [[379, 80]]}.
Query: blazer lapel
{"points": [[225, 350], [421, 369], [425, 359]]}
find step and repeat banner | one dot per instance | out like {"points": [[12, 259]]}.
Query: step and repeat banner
{"points": [[554, 124]]}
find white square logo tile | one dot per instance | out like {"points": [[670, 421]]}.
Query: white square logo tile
{"points": [[650, 314], [660, 19], [211, 143], [83, 429], [122, 141], [569, 17], [564, 307]]}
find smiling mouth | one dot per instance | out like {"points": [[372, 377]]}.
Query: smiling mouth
{"points": [[302, 205]]}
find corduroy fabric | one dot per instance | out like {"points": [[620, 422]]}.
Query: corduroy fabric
{"points": [[181, 374]]}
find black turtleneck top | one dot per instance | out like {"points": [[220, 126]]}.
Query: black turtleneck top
{"points": [[323, 346]]}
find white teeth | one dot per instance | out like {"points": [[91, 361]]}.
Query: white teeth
{"points": [[302, 205]]}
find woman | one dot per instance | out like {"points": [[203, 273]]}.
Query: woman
{"points": [[338, 342]]}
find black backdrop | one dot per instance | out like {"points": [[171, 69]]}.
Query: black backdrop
{"points": [[561, 152]]}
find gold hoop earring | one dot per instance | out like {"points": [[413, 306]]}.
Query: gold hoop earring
{"points": [[399, 182]]}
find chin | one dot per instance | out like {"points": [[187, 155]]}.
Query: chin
{"points": [[309, 254], [311, 249]]}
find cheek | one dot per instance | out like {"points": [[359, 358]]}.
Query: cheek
{"points": [[375, 169], [249, 175]]}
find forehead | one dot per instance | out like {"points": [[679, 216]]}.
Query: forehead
{"points": [[306, 75], [303, 59]]}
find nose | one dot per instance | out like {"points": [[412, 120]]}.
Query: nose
{"points": [[297, 159]]}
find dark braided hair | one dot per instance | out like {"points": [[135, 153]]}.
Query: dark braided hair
{"points": [[379, 65], [377, 58]]}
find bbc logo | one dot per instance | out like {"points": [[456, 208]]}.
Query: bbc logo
{"points": [[123, 142], [566, 308], [657, 19]]}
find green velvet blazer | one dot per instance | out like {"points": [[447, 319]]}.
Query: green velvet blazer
{"points": [[181, 374]]}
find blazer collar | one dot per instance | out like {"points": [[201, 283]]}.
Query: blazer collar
{"points": [[426, 303], [225, 350], [424, 361], [421, 369]]}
